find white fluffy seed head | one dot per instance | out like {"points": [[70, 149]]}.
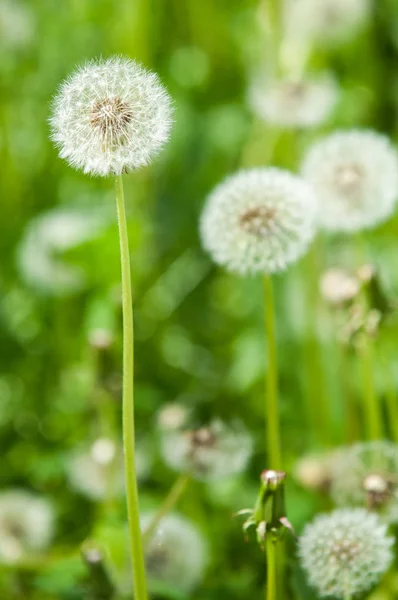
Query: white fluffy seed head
{"points": [[345, 552], [355, 177], [209, 453], [326, 22], [176, 554], [111, 116], [259, 221], [294, 102], [338, 287], [358, 468], [26, 524]]}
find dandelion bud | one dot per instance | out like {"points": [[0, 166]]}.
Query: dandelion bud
{"points": [[259, 221], [111, 116], [26, 524], [355, 177], [345, 552]]}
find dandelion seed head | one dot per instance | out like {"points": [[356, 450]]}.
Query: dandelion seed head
{"points": [[208, 453], [345, 552], [111, 116], [314, 471], [45, 238], [172, 416], [294, 102], [338, 286], [17, 24], [366, 474], [97, 471], [355, 177], [327, 22], [176, 554], [26, 524], [259, 220]]}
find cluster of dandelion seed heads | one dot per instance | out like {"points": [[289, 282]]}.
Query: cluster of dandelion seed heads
{"points": [[345, 552], [111, 116], [366, 474], [294, 102], [26, 524], [355, 177], [329, 21], [208, 453], [176, 554], [259, 220]]}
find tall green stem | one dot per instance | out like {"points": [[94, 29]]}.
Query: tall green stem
{"points": [[170, 501], [392, 406], [272, 400], [136, 546], [271, 567], [374, 426]]}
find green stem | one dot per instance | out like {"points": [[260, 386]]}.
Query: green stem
{"points": [[168, 504], [392, 406], [136, 546], [374, 427], [271, 567], [272, 400]]}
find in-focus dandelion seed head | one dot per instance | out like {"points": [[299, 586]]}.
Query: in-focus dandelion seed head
{"points": [[176, 554], [111, 116], [213, 452], [26, 524], [259, 221], [366, 474], [345, 552], [294, 102], [355, 177]]}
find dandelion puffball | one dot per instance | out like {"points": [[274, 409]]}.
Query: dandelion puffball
{"points": [[259, 221], [176, 554], [345, 552], [26, 524], [111, 116], [326, 21], [294, 102], [355, 177], [208, 453], [366, 474]]}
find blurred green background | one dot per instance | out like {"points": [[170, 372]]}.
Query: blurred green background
{"points": [[199, 331]]}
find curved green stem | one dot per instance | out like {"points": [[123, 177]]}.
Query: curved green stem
{"points": [[272, 400], [136, 546], [271, 568], [374, 426], [168, 504]]}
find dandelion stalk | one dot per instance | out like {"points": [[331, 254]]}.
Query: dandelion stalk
{"points": [[374, 426], [272, 400], [392, 408], [136, 546], [271, 568], [168, 504]]}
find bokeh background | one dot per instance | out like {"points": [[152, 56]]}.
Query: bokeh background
{"points": [[199, 331]]}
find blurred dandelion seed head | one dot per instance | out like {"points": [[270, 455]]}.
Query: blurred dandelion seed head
{"points": [[208, 453], [345, 552], [326, 22], [176, 554], [172, 416], [339, 287], [294, 102], [26, 524], [17, 24], [97, 471], [111, 116], [313, 471], [366, 474], [259, 220], [355, 177]]}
